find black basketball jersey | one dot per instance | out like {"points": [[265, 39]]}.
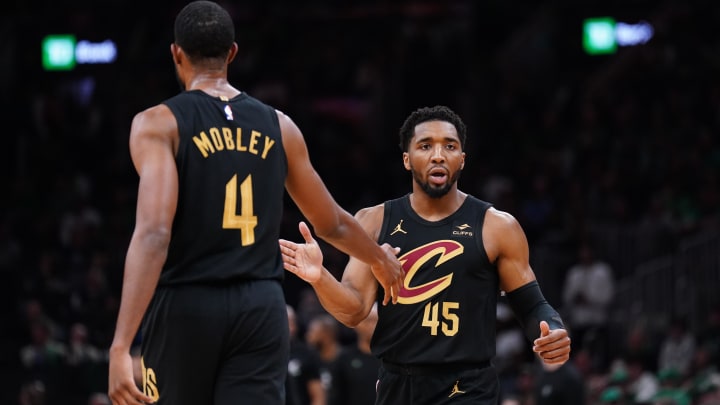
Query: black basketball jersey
{"points": [[232, 168], [446, 310]]}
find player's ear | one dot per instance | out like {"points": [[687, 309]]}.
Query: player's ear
{"points": [[462, 161], [406, 160], [232, 53], [175, 51]]}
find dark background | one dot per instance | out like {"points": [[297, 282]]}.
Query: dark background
{"points": [[620, 150]]}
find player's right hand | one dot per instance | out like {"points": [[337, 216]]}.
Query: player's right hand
{"points": [[389, 273], [553, 346], [303, 259], [122, 389]]}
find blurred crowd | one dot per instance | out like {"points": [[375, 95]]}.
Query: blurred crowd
{"points": [[570, 144]]}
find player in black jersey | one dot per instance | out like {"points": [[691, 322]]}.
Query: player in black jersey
{"points": [[458, 253], [203, 269]]}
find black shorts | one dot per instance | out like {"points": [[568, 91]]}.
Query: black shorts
{"points": [[216, 344], [437, 385]]}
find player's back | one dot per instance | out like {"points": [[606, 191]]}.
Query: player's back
{"points": [[231, 168]]}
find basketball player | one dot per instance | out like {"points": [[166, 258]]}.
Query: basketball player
{"points": [[203, 270], [458, 253]]}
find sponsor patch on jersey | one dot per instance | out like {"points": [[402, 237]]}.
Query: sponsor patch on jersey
{"points": [[462, 230]]}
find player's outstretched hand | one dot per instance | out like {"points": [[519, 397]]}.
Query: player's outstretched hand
{"points": [[553, 346], [389, 273], [303, 259]]}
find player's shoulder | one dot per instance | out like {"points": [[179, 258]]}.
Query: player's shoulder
{"points": [[157, 119], [369, 212], [157, 112], [500, 220], [287, 125], [371, 218]]}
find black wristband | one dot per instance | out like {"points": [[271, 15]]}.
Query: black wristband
{"points": [[530, 307]]}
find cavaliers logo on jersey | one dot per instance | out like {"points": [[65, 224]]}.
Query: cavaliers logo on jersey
{"points": [[413, 260]]}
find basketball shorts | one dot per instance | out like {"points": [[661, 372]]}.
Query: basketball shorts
{"points": [[216, 344], [437, 384]]}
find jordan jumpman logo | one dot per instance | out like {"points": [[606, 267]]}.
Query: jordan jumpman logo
{"points": [[455, 390]]}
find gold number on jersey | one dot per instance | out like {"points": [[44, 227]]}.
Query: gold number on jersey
{"points": [[451, 322], [246, 221]]}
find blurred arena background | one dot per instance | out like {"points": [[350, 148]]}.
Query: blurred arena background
{"points": [[589, 140]]}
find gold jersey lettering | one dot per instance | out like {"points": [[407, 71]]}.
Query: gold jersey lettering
{"points": [[149, 381], [217, 140], [229, 142], [222, 139], [203, 143], [254, 135], [240, 146], [269, 142]]}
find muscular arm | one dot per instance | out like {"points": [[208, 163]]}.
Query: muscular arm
{"points": [[152, 152], [330, 221], [153, 140], [349, 300], [507, 247]]}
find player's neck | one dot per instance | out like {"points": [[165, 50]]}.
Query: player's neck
{"points": [[213, 84], [435, 209]]}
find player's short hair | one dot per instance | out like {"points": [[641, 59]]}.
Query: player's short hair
{"points": [[204, 30], [425, 114]]}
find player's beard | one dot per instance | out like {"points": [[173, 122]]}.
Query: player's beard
{"points": [[435, 191]]}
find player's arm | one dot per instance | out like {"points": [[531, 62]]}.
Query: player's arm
{"points": [[316, 391], [153, 142], [507, 246], [349, 300], [330, 221]]}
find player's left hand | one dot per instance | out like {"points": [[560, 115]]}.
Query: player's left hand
{"points": [[303, 259], [553, 346]]}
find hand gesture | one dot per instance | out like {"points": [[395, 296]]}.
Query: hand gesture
{"points": [[389, 273], [553, 346], [122, 389], [305, 259]]}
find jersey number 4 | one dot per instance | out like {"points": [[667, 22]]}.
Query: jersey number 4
{"points": [[246, 221]]}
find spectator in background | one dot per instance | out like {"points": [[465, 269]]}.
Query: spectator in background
{"points": [[677, 348], [559, 385], [510, 349], [704, 376], [322, 335], [355, 371], [303, 367], [587, 291], [86, 364], [642, 384], [43, 359], [32, 393], [671, 391], [642, 342], [708, 335]]}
